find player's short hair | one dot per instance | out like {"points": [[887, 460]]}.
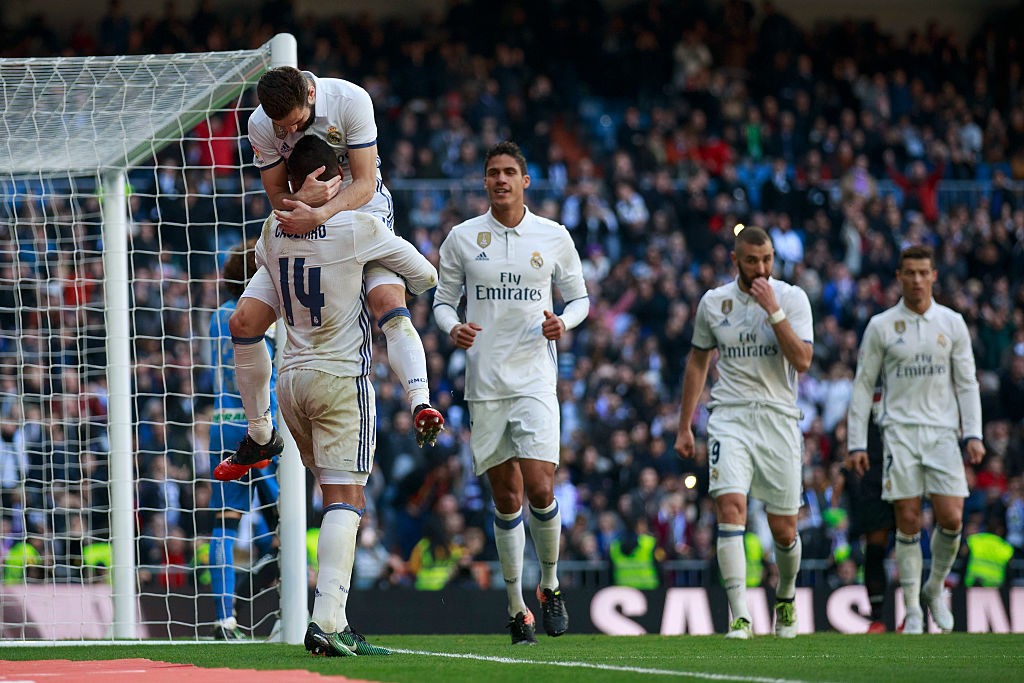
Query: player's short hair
{"points": [[753, 235], [281, 91], [240, 267], [310, 153], [918, 251], [511, 149]]}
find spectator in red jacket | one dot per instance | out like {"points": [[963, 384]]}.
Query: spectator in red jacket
{"points": [[919, 187]]}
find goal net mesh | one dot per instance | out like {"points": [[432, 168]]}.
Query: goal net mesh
{"points": [[174, 126]]}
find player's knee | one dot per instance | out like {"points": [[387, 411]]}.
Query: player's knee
{"points": [[383, 299], [247, 321], [785, 538], [540, 494], [508, 502]]}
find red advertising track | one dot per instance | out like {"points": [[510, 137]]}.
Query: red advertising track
{"points": [[127, 670]]}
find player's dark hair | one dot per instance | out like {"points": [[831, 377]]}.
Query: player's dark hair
{"points": [[281, 91], [240, 267], [309, 154], [511, 149], [918, 251], [753, 235]]}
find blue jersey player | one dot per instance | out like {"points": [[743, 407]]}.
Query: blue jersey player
{"points": [[232, 499]]}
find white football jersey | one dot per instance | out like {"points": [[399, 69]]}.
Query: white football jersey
{"points": [[319, 281], [927, 373], [507, 276], [751, 365], [343, 116]]}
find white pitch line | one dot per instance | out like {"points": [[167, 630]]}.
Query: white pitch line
{"points": [[605, 667]]}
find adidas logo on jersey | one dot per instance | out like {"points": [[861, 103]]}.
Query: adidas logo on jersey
{"points": [[482, 256]]}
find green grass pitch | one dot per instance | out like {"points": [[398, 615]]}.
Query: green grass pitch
{"points": [[933, 658]]}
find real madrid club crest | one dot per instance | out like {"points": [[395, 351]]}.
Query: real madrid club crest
{"points": [[727, 307], [941, 340], [536, 260], [483, 239], [333, 136], [900, 326]]}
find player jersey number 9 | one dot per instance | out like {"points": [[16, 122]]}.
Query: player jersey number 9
{"points": [[306, 289]]}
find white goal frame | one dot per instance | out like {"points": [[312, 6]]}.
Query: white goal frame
{"points": [[51, 129]]}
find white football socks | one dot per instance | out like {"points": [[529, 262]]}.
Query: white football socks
{"points": [[406, 357], [945, 546], [546, 531], [510, 538], [788, 562], [732, 564], [252, 375], [335, 554], [908, 562]]}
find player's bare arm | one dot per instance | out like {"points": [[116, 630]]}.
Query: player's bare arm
{"points": [[313, 192], [694, 377], [797, 351], [464, 334], [299, 217], [552, 327]]}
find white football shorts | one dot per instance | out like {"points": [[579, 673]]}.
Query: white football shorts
{"points": [[333, 421], [375, 275], [525, 427], [921, 460], [756, 449], [261, 287]]}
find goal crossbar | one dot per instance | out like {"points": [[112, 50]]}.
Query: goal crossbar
{"points": [[83, 115]]}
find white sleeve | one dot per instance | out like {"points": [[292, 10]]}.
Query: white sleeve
{"points": [[261, 139], [575, 312], [798, 310], [703, 337], [568, 271], [869, 363], [449, 285], [360, 126], [965, 382]]}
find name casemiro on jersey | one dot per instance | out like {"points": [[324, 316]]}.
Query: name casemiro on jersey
{"points": [[317, 233]]}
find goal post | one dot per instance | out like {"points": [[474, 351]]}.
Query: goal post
{"points": [[124, 183]]}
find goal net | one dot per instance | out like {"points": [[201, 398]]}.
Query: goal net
{"points": [[124, 184]]}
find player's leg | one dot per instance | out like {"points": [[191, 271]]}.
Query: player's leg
{"points": [[731, 512], [546, 530], [731, 473], [534, 425], [777, 481], [253, 316], [506, 481], [255, 313], [340, 413], [909, 561], [945, 544], [903, 484], [230, 499], [876, 545], [946, 482], [788, 551], [385, 297]]}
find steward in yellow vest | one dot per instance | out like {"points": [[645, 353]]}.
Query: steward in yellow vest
{"points": [[634, 561]]}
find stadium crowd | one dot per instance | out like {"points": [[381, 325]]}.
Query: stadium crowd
{"points": [[651, 130]]}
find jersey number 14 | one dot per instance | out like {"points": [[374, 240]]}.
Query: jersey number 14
{"points": [[306, 289]]}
